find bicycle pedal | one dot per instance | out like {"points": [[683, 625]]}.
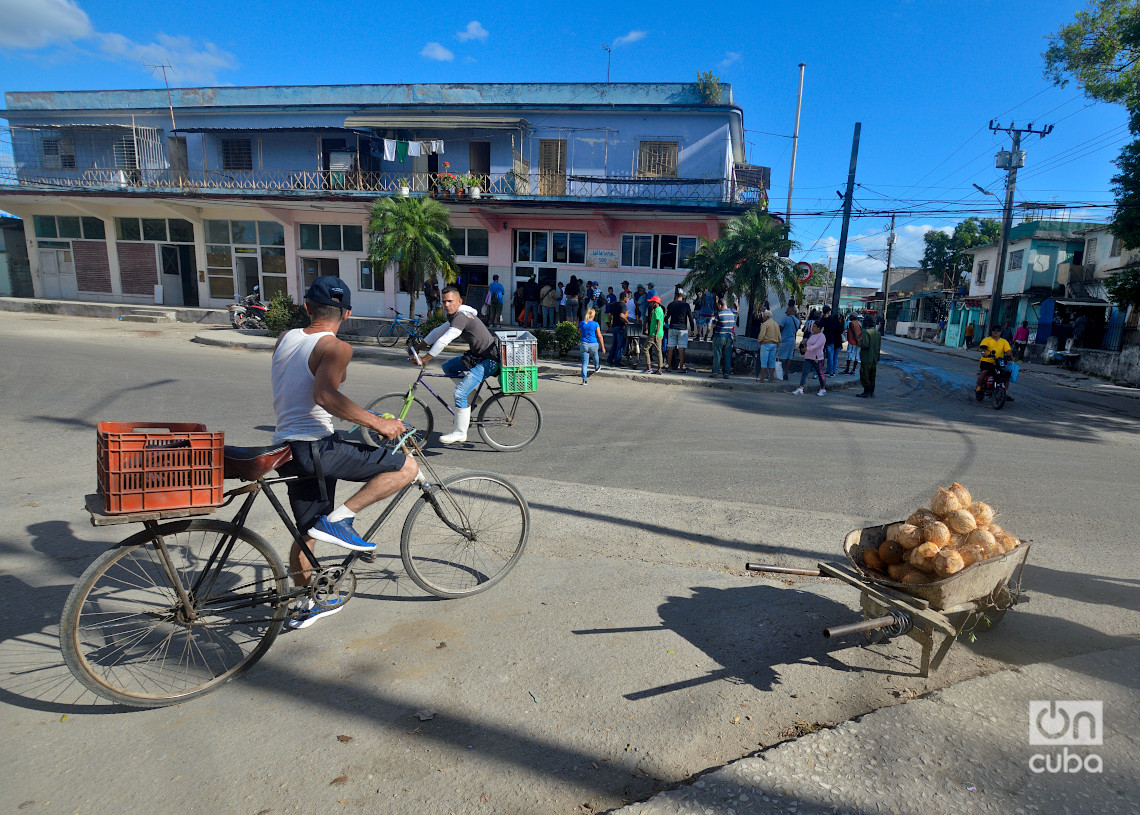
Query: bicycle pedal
{"points": [[368, 557]]}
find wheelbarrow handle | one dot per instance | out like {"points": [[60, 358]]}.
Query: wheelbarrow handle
{"points": [[760, 567]]}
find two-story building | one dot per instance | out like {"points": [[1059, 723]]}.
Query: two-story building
{"points": [[194, 198]]}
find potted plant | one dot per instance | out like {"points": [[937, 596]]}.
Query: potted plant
{"points": [[471, 184], [405, 186], [445, 182]]}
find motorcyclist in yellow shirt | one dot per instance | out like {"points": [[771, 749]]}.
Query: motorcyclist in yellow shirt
{"points": [[993, 348]]}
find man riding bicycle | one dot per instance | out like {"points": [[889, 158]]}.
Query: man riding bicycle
{"points": [[993, 348], [479, 362]]}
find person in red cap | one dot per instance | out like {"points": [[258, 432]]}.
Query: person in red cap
{"points": [[655, 330]]}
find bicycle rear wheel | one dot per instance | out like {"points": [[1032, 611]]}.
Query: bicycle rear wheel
{"points": [[509, 421], [470, 539], [418, 416], [127, 636], [391, 334]]}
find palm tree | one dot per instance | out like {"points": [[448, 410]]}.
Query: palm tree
{"points": [[413, 234], [746, 261]]}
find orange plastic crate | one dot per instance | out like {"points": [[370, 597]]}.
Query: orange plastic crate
{"points": [[149, 466]]}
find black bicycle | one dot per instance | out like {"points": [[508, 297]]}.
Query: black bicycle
{"points": [[184, 606]]}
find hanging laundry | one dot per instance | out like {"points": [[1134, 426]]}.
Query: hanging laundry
{"points": [[437, 146], [389, 150], [401, 150], [415, 148]]}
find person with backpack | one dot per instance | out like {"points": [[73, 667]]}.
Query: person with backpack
{"points": [[854, 334]]}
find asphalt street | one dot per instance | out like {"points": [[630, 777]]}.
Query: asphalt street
{"points": [[628, 652]]}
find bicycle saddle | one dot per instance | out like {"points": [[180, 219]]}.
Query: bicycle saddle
{"points": [[251, 463]]}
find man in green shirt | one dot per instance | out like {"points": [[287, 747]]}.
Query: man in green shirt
{"points": [[654, 332], [869, 346]]}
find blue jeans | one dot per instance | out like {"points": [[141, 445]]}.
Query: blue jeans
{"points": [[722, 354], [471, 379], [548, 316], [589, 349], [831, 358], [812, 365], [530, 313], [617, 351]]}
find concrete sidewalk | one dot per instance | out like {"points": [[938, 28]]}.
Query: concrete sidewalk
{"points": [[367, 348], [965, 748]]}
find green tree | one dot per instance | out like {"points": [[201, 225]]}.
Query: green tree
{"points": [[1101, 50], [1124, 286], [745, 261], [945, 257], [822, 276], [412, 233]]}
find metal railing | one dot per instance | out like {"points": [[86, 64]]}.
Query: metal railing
{"points": [[533, 184]]}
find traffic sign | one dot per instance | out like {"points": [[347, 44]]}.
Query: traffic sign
{"points": [[804, 271]]}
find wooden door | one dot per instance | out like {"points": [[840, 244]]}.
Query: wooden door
{"points": [[552, 167]]}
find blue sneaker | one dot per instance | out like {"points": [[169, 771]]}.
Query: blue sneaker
{"points": [[339, 533], [305, 612]]}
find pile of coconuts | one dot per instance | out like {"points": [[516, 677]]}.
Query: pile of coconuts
{"points": [[935, 543]]}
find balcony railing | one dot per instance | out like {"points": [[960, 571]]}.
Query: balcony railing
{"points": [[492, 185]]}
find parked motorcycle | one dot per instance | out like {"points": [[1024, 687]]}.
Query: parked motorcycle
{"points": [[994, 386], [248, 311]]}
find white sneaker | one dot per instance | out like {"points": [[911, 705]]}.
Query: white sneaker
{"points": [[822, 392], [798, 392], [305, 612]]}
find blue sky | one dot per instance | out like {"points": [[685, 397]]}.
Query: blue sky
{"points": [[924, 79]]}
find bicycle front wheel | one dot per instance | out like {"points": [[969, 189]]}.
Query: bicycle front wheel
{"points": [[509, 421], [390, 335], [469, 538], [418, 415], [127, 636]]}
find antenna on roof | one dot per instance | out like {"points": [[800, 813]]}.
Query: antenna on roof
{"points": [[166, 82], [609, 54]]}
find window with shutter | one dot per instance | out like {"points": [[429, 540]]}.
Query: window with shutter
{"points": [[552, 167], [237, 154], [657, 159]]}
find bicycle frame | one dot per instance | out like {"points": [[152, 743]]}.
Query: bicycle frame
{"points": [[419, 381]]}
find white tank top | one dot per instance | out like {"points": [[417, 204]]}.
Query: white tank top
{"points": [[299, 418]]}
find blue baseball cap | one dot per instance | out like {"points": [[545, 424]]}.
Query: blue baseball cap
{"points": [[330, 291]]}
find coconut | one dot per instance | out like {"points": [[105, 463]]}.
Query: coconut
{"points": [[944, 502], [897, 570], [948, 562], [995, 530], [936, 532], [922, 557], [909, 536], [893, 532], [872, 560], [914, 577], [972, 553], [961, 521], [962, 494], [983, 513], [982, 537], [891, 552], [921, 516], [1008, 542]]}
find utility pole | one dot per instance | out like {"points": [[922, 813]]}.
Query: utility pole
{"points": [[846, 218], [795, 145], [1008, 160], [165, 81], [887, 272]]}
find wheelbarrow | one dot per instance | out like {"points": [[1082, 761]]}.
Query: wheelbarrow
{"points": [[926, 613]]}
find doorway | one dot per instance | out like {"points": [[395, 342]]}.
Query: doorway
{"points": [[248, 276], [57, 274], [479, 161], [179, 277]]}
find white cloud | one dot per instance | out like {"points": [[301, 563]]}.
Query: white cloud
{"points": [[189, 63], [631, 37], [867, 254], [31, 24], [730, 57], [34, 24], [474, 31], [433, 50]]}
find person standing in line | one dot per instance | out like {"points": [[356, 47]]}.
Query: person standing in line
{"points": [[619, 319], [706, 308], [813, 359], [723, 330], [769, 339], [679, 316], [640, 309], [548, 300], [495, 293], [655, 330], [592, 342], [969, 335], [573, 291], [870, 346], [531, 295], [832, 328], [1021, 340], [561, 303], [789, 325], [854, 334]]}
